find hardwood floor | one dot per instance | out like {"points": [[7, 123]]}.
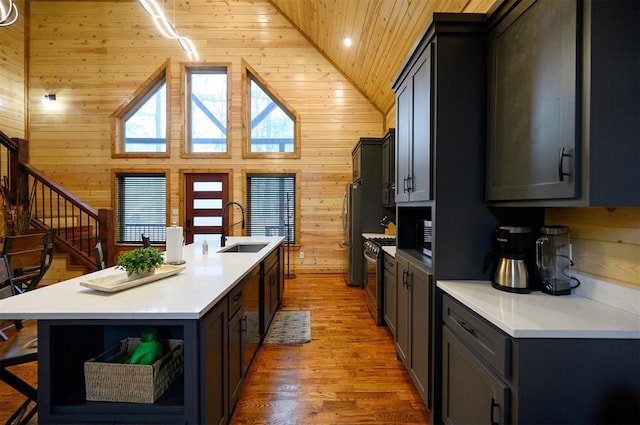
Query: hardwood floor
{"points": [[347, 374]]}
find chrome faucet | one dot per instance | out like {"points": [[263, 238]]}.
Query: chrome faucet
{"points": [[223, 238]]}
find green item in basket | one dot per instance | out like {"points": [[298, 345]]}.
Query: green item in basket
{"points": [[149, 350]]}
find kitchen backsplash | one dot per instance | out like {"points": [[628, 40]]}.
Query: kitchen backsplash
{"points": [[606, 241]]}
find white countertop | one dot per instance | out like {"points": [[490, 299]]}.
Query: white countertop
{"points": [[187, 295], [377, 235], [538, 315], [391, 250]]}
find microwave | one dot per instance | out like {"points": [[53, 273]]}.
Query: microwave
{"points": [[425, 235]]}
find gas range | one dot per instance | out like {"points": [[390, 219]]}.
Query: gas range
{"points": [[374, 285], [373, 243]]}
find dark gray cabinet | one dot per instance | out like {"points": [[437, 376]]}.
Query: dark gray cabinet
{"points": [[389, 169], [270, 283], [490, 377], [475, 360], [214, 366], [412, 340], [390, 292], [462, 225], [472, 393], [562, 122], [235, 344], [250, 323], [413, 130]]}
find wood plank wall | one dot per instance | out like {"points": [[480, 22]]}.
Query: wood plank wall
{"points": [[12, 76], [94, 54], [606, 241]]}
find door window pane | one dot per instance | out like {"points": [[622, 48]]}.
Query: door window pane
{"points": [[207, 186], [207, 221], [200, 204]]}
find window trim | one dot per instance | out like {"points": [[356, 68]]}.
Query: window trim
{"points": [[115, 172], [248, 75], [120, 115], [185, 95], [269, 172]]}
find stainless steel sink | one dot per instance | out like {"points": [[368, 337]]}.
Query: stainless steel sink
{"points": [[243, 247]]}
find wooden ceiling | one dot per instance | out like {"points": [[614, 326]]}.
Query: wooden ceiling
{"points": [[383, 34]]}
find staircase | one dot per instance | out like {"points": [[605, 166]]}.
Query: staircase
{"points": [[42, 204]]}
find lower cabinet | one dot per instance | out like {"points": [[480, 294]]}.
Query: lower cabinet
{"points": [[390, 291], [491, 377], [270, 277], [213, 366], [472, 393], [236, 343], [412, 337]]}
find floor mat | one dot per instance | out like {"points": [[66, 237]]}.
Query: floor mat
{"points": [[289, 327]]}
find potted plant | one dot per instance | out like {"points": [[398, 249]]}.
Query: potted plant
{"points": [[140, 262]]}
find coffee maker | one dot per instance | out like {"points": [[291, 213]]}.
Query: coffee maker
{"points": [[513, 257], [553, 260]]}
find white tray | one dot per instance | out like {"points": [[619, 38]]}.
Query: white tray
{"points": [[119, 281]]}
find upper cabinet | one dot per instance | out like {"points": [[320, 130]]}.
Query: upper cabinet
{"points": [[413, 121], [388, 169], [563, 104]]}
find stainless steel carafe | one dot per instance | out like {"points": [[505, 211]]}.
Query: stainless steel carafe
{"points": [[514, 247], [553, 260]]}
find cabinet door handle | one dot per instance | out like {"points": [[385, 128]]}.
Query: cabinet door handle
{"points": [[404, 184], [243, 324], [237, 297], [561, 172], [409, 186], [492, 412], [409, 278], [465, 326]]}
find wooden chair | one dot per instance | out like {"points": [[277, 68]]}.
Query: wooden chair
{"points": [[146, 241], [28, 256], [21, 346], [97, 251]]}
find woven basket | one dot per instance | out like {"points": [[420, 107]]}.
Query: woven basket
{"points": [[131, 383]]}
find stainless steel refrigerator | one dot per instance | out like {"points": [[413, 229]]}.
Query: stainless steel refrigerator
{"points": [[362, 212], [351, 226]]}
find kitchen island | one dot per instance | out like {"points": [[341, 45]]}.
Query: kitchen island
{"points": [[76, 323]]}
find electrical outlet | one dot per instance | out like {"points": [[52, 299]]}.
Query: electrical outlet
{"points": [[301, 254]]}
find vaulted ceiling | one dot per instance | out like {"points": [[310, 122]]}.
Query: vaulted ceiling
{"points": [[383, 34]]}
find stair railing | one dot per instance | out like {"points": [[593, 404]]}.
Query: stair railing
{"points": [[77, 226]]}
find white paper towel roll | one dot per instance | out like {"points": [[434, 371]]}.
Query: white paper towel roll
{"points": [[174, 245]]}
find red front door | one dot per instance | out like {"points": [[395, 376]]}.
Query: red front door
{"points": [[205, 195]]}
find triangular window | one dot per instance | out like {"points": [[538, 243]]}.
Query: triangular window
{"points": [[141, 125], [273, 127]]}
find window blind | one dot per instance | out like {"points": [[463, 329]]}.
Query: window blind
{"points": [[141, 207], [271, 207]]}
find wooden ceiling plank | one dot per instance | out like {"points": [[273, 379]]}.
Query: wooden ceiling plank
{"points": [[370, 72]]}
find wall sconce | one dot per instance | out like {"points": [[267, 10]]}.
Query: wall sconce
{"points": [[8, 13], [49, 98]]}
